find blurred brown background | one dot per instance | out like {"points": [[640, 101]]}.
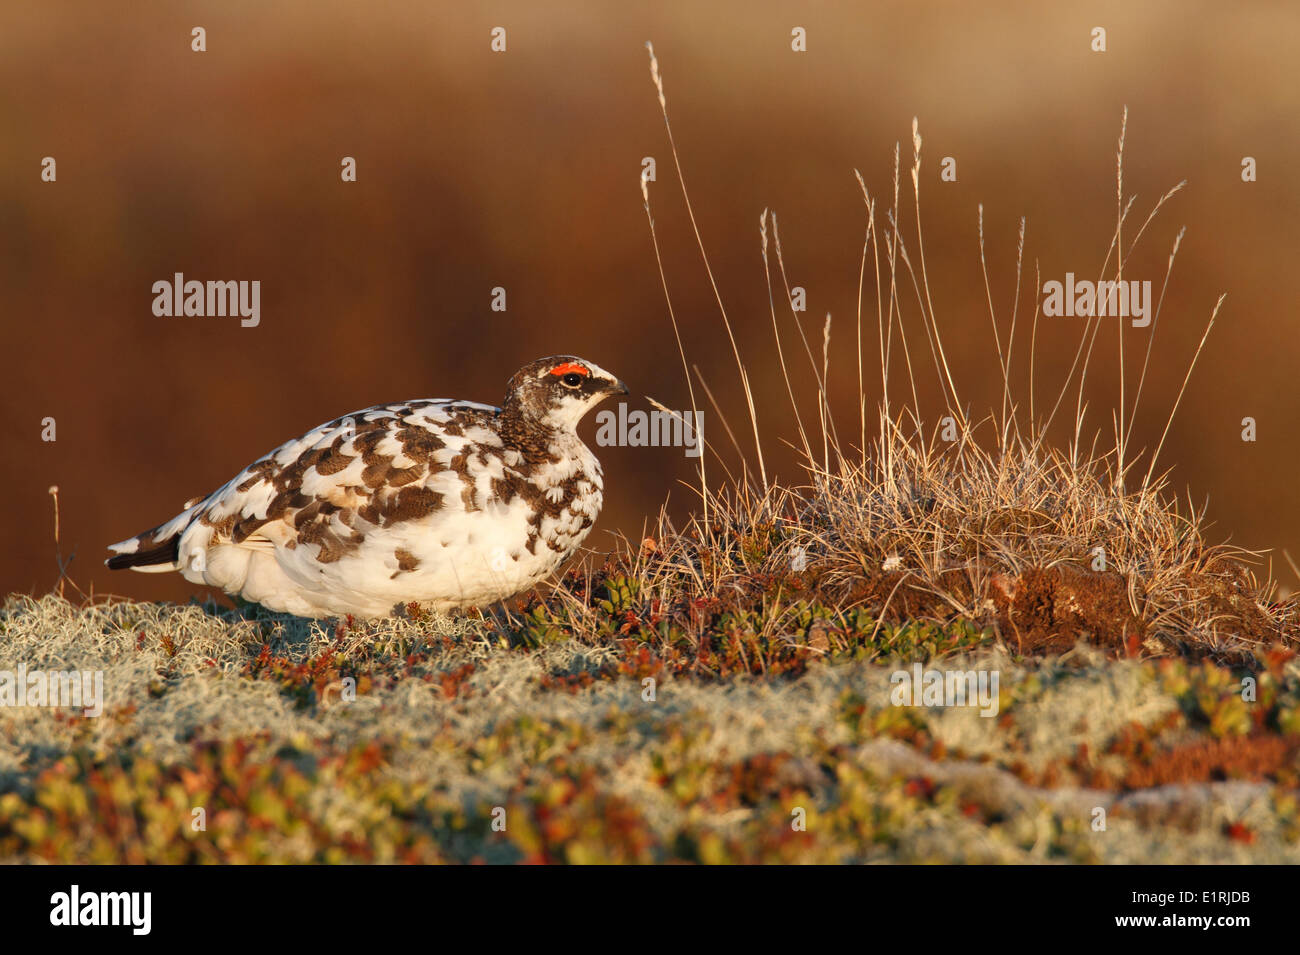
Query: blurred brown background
{"points": [[479, 169]]}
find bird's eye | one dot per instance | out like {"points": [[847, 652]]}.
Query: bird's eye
{"points": [[572, 380]]}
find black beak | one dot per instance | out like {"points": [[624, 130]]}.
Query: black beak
{"points": [[617, 388]]}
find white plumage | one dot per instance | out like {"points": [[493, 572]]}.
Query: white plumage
{"points": [[440, 502]]}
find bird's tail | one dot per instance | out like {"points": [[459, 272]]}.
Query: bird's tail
{"points": [[154, 551], [145, 553]]}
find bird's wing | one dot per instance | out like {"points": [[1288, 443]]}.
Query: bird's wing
{"points": [[370, 468]]}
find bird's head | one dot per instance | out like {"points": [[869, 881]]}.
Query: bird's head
{"points": [[557, 392]]}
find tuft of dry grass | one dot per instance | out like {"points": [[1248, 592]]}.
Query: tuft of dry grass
{"points": [[977, 520]]}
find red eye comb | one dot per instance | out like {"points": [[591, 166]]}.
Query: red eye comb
{"points": [[570, 368]]}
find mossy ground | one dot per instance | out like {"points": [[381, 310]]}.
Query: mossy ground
{"points": [[488, 740]]}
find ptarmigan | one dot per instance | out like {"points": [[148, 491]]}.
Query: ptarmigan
{"points": [[441, 502]]}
